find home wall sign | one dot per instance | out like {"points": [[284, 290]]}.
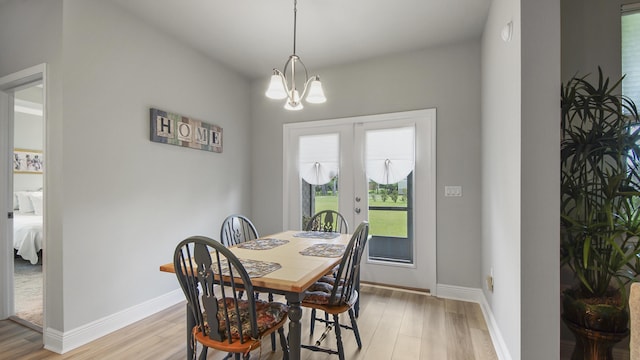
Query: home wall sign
{"points": [[174, 129]]}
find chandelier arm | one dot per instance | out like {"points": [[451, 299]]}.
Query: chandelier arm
{"points": [[306, 77]]}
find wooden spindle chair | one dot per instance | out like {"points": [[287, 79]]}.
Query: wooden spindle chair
{"points": [[210, 276], [338, 293], [235, 230]]}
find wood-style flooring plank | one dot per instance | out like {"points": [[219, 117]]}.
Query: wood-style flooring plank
{"points": [[434, 335]]}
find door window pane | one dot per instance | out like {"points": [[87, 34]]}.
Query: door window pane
{"points": [[390, 218], [316, 198]]}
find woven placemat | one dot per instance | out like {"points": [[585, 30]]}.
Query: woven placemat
{"points": [[255, 268], [262, 244], [317, 235], [324, 250]]}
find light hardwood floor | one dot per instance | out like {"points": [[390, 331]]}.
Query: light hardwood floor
{"points": [[394, 324]]}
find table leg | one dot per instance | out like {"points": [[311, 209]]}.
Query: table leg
{"points": [[295, 328], [191, 322]]}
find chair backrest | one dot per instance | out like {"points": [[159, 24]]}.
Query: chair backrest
{"points": [[328, 221], [198, 263], [237, 229], [345, 285]]}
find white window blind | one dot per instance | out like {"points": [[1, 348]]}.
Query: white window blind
{"points": [[319, 158], [631, 51], [390, 155]]}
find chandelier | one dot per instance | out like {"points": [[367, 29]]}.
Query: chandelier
{"points": [[282, 88]]}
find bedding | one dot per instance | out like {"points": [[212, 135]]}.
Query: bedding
{"points": [[27, 235]]}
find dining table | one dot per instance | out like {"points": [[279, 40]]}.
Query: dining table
{"points": [[293, 260]]}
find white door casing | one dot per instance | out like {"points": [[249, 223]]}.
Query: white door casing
{"points": [[353, 185]]}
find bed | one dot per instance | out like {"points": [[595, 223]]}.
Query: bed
{"points": [[27, 235], [27, 225]]}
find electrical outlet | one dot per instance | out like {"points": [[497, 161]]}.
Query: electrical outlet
{"points": [[490, 283]]}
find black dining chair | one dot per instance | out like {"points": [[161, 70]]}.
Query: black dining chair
{"points": [[338, 293], [235, 230], [328, 221], [210, 276]]}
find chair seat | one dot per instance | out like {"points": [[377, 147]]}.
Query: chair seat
{"points": [[268, 316], [318, 295], [236, 346]]}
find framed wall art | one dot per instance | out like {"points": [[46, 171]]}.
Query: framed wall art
{"points": [[27, 161], [174, 129]]}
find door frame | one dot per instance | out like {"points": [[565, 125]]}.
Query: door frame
{"points": [[423, 272], [8, 84]]}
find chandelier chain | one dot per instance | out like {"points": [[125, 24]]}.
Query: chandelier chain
{"points": [[295, 15]]}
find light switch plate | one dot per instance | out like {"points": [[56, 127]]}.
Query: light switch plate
{"points": [[453, 191]]}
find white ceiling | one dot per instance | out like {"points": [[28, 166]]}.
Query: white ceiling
{"points": [[255, 36]]}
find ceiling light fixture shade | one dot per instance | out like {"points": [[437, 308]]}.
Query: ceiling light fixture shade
{"points": [[294, 102], [276, 88], [316, 94], [282, 88]]}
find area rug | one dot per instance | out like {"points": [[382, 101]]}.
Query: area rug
{"points": [[28, 291]]}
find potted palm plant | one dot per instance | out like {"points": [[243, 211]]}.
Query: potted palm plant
{"points": [[600, 194]]}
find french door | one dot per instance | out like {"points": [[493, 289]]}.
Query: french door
{"points": [[379, 168]]}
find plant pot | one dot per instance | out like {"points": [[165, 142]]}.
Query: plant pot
{"points": [[597, 323], [607, 314]]}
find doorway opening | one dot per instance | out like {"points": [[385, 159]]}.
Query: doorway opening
{"points": [[22, 150], [28, 173]]}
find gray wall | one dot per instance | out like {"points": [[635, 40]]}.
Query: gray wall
{"points": [[501, 169], [591, 37], [128, 201], [520, 176], [540, 174], [446, 78], [118, 203]]}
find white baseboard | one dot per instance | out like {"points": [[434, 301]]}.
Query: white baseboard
{"points": [[62, 342], [477, 296]]}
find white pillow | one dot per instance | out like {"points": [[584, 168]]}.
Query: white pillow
{"points": [[24, 202], [36, 201], [15, 201]]}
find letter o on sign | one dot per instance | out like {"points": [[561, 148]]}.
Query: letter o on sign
{"points": [[184, 130]]}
